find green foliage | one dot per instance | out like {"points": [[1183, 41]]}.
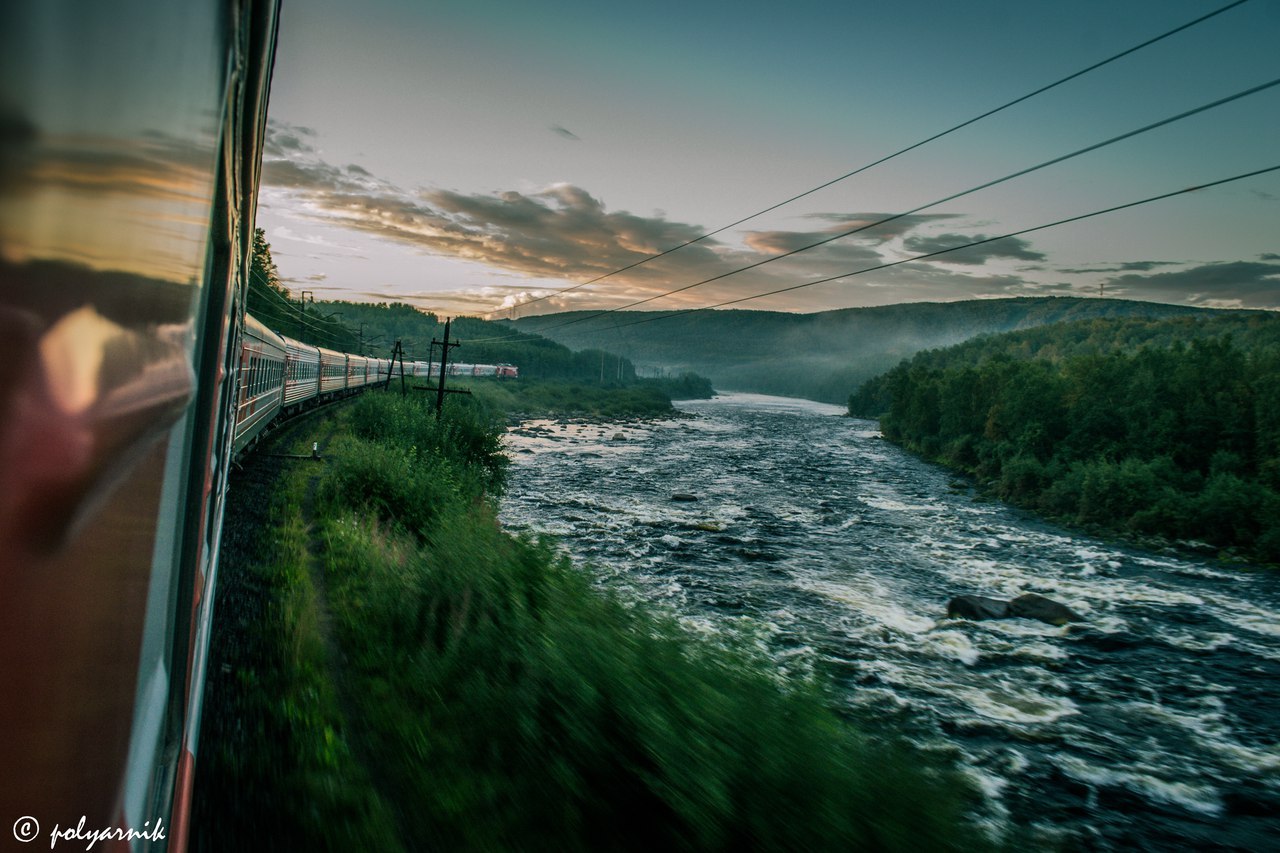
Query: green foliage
{"points": [[553, 398], [510, 703], [820, 356], [262, 268], [687, 386], [1178, 437], [277, 767], [469, 439]]}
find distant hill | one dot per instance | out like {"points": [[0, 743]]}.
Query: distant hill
{"points": [[374, 328], [822, 356]]}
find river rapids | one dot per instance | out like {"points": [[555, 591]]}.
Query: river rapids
{"points": [[1152, 725]]}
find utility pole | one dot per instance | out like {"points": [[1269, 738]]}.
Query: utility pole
{"points": [[397, 352], [302, 310], [444, 362]]}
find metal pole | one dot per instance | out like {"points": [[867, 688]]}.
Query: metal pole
{"points": [[444, 360], [302, 310]]}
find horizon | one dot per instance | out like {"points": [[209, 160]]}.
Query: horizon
{"points": [[471, 157]]}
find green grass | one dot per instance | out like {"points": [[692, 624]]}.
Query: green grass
{"points": [[419, 679], [512, 704], [563, 398], [276, 767]]}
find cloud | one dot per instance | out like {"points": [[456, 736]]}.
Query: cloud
{"points": [[1235, 284], [560, 232], [565, 132], [899, 226], [153, 165], [318, 177], [829, 259], [287, 140], [562, 235], [1009, 247], [1130, 266]]}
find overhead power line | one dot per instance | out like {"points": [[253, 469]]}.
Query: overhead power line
{"points": [[957, 248], [523, 336], [1021, 172], [318, 329], [889, 157]]}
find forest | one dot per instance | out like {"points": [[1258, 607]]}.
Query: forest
{"points": [[1168, 428], [374, 329], [818, 356]]}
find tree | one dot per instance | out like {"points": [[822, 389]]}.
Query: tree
{"points": [[262, 270]]}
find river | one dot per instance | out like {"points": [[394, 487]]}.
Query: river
{"points": [[1154, 724]]}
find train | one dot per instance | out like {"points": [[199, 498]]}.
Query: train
{"points": [[131, 379], [131, 142], [279, 376], [431, 370]]}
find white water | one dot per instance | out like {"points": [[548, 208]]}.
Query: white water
{"points": [[1153, 724]]}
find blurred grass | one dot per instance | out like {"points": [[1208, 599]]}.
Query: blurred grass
{"points": [[493, 697], [513, 704], [276, 768]]}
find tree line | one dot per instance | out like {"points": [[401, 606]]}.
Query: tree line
{"points": [[374, 328], [819, 356], [1169, 428]]}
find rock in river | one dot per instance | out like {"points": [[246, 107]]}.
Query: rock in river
{"points": [[1031, 606], [1035, 606], [977, 607]]}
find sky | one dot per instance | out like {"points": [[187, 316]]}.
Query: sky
{"points": [[468, 157]]}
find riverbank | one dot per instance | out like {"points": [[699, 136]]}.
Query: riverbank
{"points": [[1150, 725], [1168, 430], [525, 399], [408, 676], [1115, 531]]}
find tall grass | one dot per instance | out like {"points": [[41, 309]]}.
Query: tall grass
{"points": [[507, 702], [276, 767]]}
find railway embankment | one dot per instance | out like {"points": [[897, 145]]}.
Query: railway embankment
{"points": [[392, 671]]}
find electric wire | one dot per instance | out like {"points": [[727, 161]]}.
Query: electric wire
{"points": [[988, 184], [313, 326], [981, 242], [886, 158], [531, 336]]}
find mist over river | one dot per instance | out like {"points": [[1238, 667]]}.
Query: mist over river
{"points": [[1154, 724]]}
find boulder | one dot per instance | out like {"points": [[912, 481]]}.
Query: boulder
{"points": [[1034, 606], [977, 607], [619, 436]]}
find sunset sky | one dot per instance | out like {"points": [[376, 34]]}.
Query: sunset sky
{"points": [[467, 156]]}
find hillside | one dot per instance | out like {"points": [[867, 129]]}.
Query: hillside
{"points": [[1167, 427], [822, 356], [374, 329]]}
